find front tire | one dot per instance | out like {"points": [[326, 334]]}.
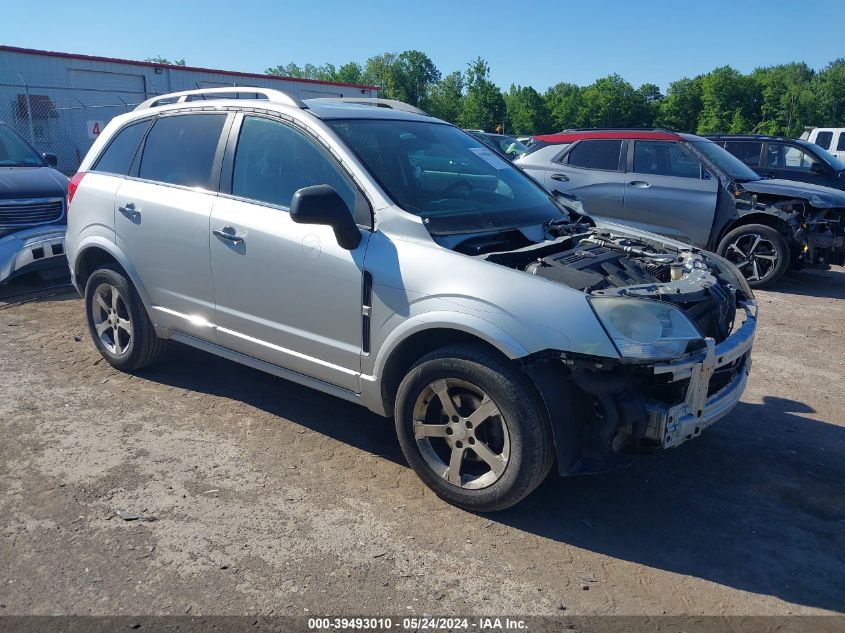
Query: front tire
{"points": [[473, 429], [118, 321], [760, 253]]}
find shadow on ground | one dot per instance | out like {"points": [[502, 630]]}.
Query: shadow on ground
{"points": [[756, 503], [813, 283]]}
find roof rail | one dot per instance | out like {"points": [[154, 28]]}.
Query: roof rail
{"points": [[276, 96], [392, 104]]}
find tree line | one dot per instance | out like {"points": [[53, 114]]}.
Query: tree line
{"points": [[778, 99]]}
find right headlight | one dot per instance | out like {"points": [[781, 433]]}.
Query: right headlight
{"points": [[640, 328]]}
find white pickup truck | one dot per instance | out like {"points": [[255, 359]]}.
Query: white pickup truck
{"points": [[830, 138]]}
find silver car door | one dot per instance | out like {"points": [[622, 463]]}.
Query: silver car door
{"points": [[591, 171], [162, 215], [285, 293], [668, 191]]}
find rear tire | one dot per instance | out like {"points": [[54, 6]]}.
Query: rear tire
{"points": [[760, 252], [490, 444], [118, 321]]}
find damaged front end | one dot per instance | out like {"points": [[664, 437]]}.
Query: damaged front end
{"points": [[683, 322], [815, 224]]}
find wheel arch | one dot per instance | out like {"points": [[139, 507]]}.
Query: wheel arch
{"points": [[98, 252], [767, 219], [401, 350]]}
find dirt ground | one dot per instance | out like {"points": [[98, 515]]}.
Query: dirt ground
{"points": [[275, 499]]}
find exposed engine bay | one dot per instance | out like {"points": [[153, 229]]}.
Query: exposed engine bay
{"points": [[603, 263]]}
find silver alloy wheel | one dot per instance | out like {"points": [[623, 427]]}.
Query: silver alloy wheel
{"points": [[754, 255], [461, 433], [111, 319]]}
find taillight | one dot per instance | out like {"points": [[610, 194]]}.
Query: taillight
{"points": [[73, 185]]}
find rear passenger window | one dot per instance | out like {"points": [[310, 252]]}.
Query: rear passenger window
{"points": [[180, 149], [840, 145], [823, 139], [746, 151], [121, 151], [273, 161], [602, 154]]}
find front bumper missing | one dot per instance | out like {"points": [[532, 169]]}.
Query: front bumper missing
{"points": [[27, 247], [673, 425]]}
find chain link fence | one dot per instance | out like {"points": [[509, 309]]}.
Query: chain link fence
{"points": [[63, 120]]}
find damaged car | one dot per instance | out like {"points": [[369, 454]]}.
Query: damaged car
{"points": [[32, 209], [693, 190], [388, 258]]}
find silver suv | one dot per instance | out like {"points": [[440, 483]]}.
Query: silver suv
{"points": [[380, 255]]}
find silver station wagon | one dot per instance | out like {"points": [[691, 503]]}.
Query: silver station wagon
{"points": [[368, 250]]}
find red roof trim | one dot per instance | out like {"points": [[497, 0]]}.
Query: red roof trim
{"points": [[571, 137], [135, 62]]}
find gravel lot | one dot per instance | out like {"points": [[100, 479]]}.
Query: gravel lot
{"points": [[272, 498]]}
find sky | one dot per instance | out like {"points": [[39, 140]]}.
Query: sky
{"points": [[526, 42]]}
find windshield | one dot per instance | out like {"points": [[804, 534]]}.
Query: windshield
{"points": [[446, 176], [508, 145], [826, 156], [15, 152], [725, 161]]}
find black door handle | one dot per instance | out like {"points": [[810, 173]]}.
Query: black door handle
{"points": [[639, 183], [560, 177], [228, 233]]}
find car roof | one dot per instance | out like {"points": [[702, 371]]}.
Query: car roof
{"points": [[322, 108], [570, 136], [751, 137], [334, 110]]}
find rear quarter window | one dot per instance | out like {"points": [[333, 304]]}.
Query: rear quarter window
{"points": [[180, 149], [120, 152]]}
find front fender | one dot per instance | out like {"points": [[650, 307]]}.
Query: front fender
{"points": [[442, 319]]}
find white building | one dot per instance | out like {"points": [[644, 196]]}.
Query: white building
{"points": [[60, 101]]}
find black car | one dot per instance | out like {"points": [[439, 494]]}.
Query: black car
{"points": [[33, 197], [785, 158]]}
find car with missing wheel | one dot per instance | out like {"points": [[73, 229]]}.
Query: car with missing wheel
{"points": [[691, 189], [388, 258]]}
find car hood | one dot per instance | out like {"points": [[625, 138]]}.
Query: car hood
{"points": [[31, 182], [817, 195]]}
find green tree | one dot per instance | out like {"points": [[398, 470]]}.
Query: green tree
{"points": [[829, 89], [483, 107], [416, 73], [564, 102], [787, 98], [326, 72], [445, 98], [611, 102], [526, 111], [730, 102], [158, 59], [350, 73], [649, 98], [681, 107]]}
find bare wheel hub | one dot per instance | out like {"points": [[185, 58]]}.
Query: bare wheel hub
{"points": [[461, 433]]}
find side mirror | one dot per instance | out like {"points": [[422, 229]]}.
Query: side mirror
{"points": [[321, 204], [51, 159], [817, 168]]}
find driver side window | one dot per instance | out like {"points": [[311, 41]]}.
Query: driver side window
{"points": [[273, 161]]}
